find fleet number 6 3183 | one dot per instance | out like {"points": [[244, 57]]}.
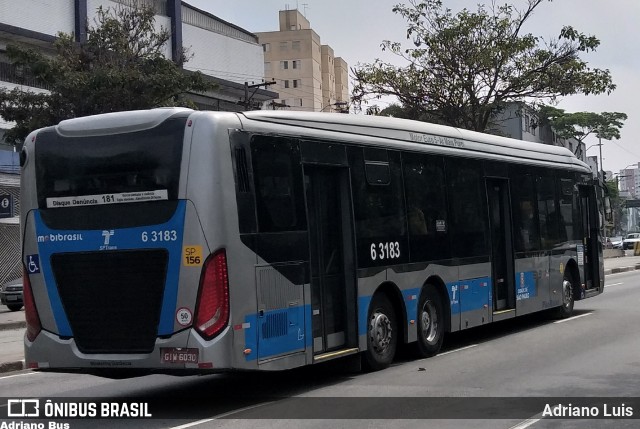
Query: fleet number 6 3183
{"points": [[388, 250]]}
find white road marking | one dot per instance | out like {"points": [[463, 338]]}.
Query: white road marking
{"points": [[20, 375], [458, 350], [614, 284], [573, 318], [525, 424]]}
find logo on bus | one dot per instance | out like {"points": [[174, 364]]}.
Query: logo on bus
{"points": [[107, 234]]}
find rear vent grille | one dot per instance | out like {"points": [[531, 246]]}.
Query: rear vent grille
{"points": [[112, 299], [275, 325]]}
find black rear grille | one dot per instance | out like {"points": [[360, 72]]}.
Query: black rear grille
{"points": [[112, 299]]}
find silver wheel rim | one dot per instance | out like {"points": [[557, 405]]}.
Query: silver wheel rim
{"points": [[380, 332], [429, 322], [567, 293]]}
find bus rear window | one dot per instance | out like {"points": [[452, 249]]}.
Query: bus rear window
{"points": [[140, 165]]}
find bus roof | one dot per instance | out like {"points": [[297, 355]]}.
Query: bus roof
{"points": [[420, 136]]}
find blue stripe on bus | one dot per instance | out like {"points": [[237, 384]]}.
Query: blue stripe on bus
{"points": [[292, 333], [62, 241], [464, 295]]}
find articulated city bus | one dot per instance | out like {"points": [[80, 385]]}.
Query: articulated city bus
{"points": [[178, 241]]}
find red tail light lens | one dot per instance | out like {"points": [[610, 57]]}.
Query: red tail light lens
{"points": [[30, 311], [212, 313]]}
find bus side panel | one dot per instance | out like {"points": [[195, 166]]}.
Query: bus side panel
{"points": [[474, 286], [532, 284]]}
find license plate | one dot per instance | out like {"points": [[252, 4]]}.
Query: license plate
{"points": [[12, 297], [178, 355]]}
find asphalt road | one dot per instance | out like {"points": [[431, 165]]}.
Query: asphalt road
{"points": [[493, 369]]}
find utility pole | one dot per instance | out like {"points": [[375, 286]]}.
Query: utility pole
{"points": [[247, 99]]}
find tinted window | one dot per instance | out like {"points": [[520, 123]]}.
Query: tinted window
{"points": [[426, 207], [525, 220], [548, 215], [568, 207], [379, 213], [467, 208], [278, 183], [145, 160]]}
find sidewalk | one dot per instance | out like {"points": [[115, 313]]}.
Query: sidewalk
{"points": [[12, 322]]}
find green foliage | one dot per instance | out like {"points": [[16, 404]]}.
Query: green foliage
{"points": [[121, 67], [617, 205], [580, 125], [464, 68]]}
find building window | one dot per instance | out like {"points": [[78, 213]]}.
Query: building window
{"points": [[266, 47], [295, 64], [296, 83], [284, 65], [295, 45], [526, 123], [286, 84], [284, 46]]}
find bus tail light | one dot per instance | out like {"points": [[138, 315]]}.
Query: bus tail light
{"points": [[212, 313], [30, 311]]}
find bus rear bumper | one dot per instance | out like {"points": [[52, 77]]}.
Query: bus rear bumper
{"points": [[50, 352]]}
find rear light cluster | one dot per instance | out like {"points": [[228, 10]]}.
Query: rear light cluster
{"points": [[212, 313], [30, 311]]}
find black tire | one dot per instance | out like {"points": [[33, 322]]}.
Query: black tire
{"points": [[568, 293], [14, 307], [382, 334], [431, 324]]}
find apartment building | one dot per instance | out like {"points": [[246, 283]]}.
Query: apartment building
{"points": [[519, 121], [307, 73]]}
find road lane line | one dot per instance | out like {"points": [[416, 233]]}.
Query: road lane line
{"points": [[525, 424], [458, 350], [614, 284], [20, 375], [573, 318]]}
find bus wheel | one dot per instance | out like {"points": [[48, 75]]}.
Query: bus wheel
{"points": [[430, 322], [382, 334], [566, 309]]}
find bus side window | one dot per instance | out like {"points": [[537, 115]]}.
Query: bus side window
{"points": [[467, 208], [278, 184], [568, 206], [525, 219], [426, 207], [547, 211], [378, 202]]}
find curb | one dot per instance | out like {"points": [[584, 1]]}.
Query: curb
{"points": [[13, 325], [12, 366], [622, 269]]}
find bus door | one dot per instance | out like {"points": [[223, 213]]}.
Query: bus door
{"points": [[591, 231], [502, 264], [331, 258]]}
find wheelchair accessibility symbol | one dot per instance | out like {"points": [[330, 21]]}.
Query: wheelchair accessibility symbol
{"points": [[33, 264]]}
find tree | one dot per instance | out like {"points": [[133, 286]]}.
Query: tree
{"points": [[464, 68], [580, 125], [121, 67], [617, 207]]}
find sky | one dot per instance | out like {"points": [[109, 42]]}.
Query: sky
{"points": [[356, 28]]}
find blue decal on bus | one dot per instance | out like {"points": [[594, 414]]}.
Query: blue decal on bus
{"points": [[526, 285], [474, 294], [278, 332], [165, 236], [363, 310]]}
